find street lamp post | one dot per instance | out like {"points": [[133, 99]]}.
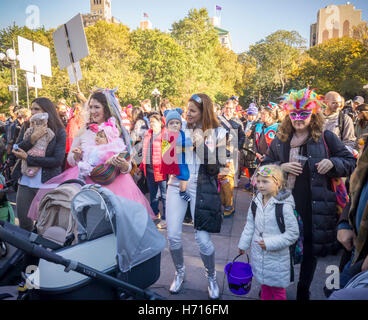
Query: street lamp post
{"points": [[156, 94], [9, 59]]}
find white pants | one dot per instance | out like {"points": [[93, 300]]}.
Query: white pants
{"points": [[176, 208]]}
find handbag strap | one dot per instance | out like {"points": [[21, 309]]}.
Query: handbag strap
{"points": [[326, 146]]}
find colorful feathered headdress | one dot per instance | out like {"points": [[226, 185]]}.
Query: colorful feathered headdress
{"points": [[302, 100], [272, 106]]}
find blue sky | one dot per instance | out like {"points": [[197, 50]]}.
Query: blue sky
{"points": [[247, 20]]}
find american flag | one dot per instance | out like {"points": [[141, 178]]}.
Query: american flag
{"points": [[218, 8], [145, 15]]}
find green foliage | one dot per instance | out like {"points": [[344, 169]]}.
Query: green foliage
{"points": [[339, 65], [269, 65], [190, 59], [162, 61], [187, 60]]}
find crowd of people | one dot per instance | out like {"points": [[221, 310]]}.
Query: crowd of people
{"points": [[299, 155]]}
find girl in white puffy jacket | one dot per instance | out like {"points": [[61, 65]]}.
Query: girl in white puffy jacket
{"points": [[270, 256]]}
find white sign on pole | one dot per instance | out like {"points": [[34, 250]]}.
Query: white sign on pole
{"points": [[72, 31], [26, 56], [78, 73], [77, 38], [34, 57], [61, 47], [43, 60], [34, 80]]}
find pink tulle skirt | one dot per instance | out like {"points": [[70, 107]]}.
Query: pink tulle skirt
{"points": [[123, 186]]}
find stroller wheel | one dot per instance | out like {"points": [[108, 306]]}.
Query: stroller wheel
{"points": [[3, 249]]}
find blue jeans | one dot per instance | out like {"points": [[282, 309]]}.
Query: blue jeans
{"points": [[153, 188]]}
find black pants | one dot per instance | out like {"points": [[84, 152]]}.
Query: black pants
{"points": [[25, 196], [307, 270]]}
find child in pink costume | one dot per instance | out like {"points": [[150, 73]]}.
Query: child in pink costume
{"points": [[107, 144]]}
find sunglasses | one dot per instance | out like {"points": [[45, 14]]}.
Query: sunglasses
{"points": [[196, 98]]}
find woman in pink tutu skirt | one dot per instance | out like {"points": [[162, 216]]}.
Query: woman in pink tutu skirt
{"points": [[101, 106]]}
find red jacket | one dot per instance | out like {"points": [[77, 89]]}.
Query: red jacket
{"points": [[156, 155]]}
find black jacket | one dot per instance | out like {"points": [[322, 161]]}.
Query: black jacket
{"points": [[53, 161], [208, 213], [320, 200]]}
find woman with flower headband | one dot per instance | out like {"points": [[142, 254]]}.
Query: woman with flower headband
{"points": [[300, 148], [115, 174], [204, 161]]}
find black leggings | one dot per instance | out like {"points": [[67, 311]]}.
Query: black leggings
{"points": [[308, 267]]}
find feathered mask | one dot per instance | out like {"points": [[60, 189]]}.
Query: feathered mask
{"points": [[301, 104]]}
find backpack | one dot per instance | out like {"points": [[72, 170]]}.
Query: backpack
{"points": [[341, 124], [296, 249]]}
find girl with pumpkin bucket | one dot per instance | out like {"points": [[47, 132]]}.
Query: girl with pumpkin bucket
{"points": [[301, 134], [270, 256]]}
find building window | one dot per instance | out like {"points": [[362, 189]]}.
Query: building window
{"points": [[325, 35], [346, 28], [335, 33]]}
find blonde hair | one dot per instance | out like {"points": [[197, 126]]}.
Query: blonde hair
{"points": [[277, 174]]}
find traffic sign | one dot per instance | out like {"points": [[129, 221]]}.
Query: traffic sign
{"points": [[13, 88]]}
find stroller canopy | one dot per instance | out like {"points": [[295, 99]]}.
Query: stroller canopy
{"points": [[138, 239]]}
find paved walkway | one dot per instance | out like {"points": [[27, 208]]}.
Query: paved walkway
{"points": [[195, 286]]}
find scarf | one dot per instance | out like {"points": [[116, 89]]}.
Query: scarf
{"points": [[295, 144]]}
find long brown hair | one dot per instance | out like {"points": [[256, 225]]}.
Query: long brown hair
{"points": [[209, 118], [286, 129]]}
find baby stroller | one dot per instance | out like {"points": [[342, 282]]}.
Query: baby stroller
{"points": [[6, 213], [118, 245], [54, 229]]}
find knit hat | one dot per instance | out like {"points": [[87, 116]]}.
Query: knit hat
{"points": [[39, 116], [173, 114], [252, 110]]}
